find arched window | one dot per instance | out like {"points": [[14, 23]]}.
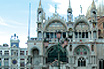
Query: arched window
{"points": [[81, 50], [81, 62]]}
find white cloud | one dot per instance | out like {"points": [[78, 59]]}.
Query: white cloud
{"points": [[14, 22], [51, 9], [2, 22], [75, 4]]}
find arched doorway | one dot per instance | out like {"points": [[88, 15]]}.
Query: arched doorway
{"points": [[35, 57], [53, 55]]}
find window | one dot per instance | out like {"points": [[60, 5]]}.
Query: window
{"points": [[76, 33], [81, 62], [70, 47], [40, 34], [47, 35], [81, 51], [79, 34], [95, 35], [21, 52], [6, 58], [92, 47], [99, 32], [86, 34], [22, 59], [6, 63], [6, 53], [64, 34], [51, 34], [22, 64], [0, 63], [103, 24]]}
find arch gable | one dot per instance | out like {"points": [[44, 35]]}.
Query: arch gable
{"points": [[81, 20], [55, 20]]}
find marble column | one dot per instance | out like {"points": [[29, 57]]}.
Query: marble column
{"points": [[89, 34], [73, 35], [92, 34], [66, 34]]}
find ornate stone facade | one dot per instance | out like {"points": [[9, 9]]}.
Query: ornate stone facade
{"points": [[85, 48]]}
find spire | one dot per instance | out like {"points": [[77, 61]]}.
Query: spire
{"points": [[69, 8], [93, 6], [69, 4], [40, 6]]}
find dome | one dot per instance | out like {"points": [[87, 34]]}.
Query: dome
{"points": [[99, 7]]}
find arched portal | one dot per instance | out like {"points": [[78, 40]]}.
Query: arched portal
{"points": [[35, 57], [53, 55]]}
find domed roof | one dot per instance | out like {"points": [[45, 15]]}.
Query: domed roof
{"points": [[100, 8]]}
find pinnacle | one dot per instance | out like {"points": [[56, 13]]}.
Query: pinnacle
{"points": [[40, 4]]}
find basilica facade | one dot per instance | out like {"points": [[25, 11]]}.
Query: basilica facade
{"points": [[85, 46]]}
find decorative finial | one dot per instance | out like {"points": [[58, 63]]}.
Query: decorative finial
{"points": [[55, 8], [81, 9]]}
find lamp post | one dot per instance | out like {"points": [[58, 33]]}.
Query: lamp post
{"points": [[58, 36], [61, 47]]}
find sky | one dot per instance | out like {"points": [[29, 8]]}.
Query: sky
{"points": [[14, 16]]}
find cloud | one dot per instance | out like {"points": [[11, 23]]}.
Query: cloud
{"points": [[14, 22], [9, 23], [51, 9], [75, 4], [2, 22]]}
